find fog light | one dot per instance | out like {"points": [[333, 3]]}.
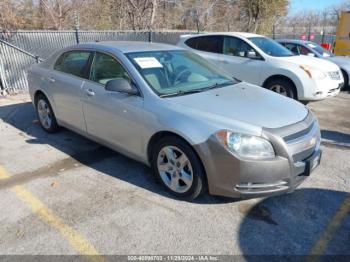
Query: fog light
{"points": [[318, 93]]}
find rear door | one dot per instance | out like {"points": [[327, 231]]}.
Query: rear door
{"points": [[66, 81], [112, 117], [209, 47]]}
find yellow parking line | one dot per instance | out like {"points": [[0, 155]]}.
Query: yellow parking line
{"points": [[77, 241], [321, 245]]}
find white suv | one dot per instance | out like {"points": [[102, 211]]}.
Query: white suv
{"points": [[262, 61]]}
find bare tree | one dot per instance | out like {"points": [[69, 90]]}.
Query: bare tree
{"points": [[261, 15], [9, 17], [141, 13], [57, 11]]}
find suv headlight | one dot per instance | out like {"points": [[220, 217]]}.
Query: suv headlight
{"points": [[313, 72], [246, 145]]}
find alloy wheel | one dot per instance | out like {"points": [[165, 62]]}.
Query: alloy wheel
{"points": [[279, 89], [45, 115], [175, 169]]}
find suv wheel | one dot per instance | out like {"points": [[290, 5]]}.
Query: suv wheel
{"points": [[282, 87], [178, 167], [46, 115]]}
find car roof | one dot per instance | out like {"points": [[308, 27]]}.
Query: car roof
{"points": [[126, 46], [293, 41], [239, 34]]}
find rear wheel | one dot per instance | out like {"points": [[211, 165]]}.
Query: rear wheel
{"points": [[282, 87], [46, 115], [178, 167]]}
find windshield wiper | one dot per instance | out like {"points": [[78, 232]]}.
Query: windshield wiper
{"points": [[181, 92], [216, 85]]}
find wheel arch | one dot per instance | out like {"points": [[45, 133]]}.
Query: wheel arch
{"points": [[161, 134], [286, 78], [346, 77], [37, 93], [41, 92]]}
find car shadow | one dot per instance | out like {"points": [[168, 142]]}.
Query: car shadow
{"points": [[86, 152], [288, 227], [336, 137]]}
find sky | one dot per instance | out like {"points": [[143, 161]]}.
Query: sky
{"points": [[302, 5]]}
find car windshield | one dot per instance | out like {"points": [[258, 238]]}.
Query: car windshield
{"points": [[319, 49], [271, 47], [178, 72]]}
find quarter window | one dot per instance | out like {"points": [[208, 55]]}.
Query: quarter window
{"points": [[106, 68], [211, 44], [74, 62], [236, 47]]}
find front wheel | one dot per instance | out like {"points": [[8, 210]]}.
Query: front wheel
{"points": [[282, 87], [178, 167]]}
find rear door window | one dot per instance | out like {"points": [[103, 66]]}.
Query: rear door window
{"points": [[212, 44], [74, 62]]}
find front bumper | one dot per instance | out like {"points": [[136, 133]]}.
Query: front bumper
{"points": [[229, 175], [321, 89]]}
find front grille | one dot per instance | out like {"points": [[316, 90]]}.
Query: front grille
{"points": [[304, 143], [331, 91], [336, 75]]}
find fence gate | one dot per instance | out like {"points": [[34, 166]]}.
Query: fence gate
{"points": [[14, 63]]}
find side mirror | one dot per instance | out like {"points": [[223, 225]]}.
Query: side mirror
{"points": [[121, 86], [252, 55], [311, 54]]}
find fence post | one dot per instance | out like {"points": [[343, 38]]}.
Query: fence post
{"points": [[3, 85], [150, 35]]}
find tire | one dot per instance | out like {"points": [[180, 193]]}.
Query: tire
{"points": [[47, 118], [282, 87], [346, 81], [182, 174]]}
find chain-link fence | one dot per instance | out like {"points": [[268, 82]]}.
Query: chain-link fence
{"points": [[20, 49]]}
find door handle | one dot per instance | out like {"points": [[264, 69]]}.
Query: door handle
{"points": [[89, 92], [52, 80]]}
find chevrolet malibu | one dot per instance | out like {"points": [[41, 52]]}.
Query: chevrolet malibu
{"points": [[168, 108]]}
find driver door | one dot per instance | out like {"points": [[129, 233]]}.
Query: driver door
{"points": [[112, 117], [235, 60]]}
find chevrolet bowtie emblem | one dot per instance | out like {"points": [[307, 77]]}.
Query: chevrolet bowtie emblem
{"points": [[313, 141]]}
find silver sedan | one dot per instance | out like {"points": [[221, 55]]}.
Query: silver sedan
{"points": [[170, 109]]}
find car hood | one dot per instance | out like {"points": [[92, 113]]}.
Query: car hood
{"points": [[341, 61], [321, 64], [245, 103]]}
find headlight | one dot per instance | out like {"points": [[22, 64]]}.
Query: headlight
{"points": [[246, 145], [313, 72]]}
